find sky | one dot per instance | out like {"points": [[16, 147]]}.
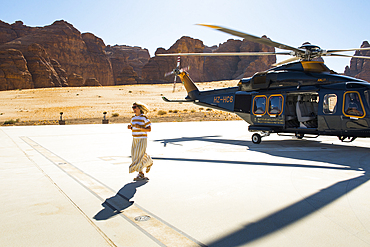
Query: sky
{"points": [[330, 24]]}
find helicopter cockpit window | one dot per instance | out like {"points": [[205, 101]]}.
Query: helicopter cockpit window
{"points": [[275, 104], [259, 105], [353, 106], [330, 103], [367, 97]]}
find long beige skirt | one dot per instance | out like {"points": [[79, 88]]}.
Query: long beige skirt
{"points": [[140, 159]]}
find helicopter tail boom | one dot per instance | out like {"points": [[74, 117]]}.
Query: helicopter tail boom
{"points": [[191, 88]]}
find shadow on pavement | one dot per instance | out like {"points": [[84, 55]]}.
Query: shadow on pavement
{"points": [[289, 214], [346, 157], [114, 205]]}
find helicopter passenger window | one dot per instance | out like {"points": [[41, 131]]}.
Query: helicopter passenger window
{"points": [[259, 105], [353, 105], [275, 104], [330, 103]]}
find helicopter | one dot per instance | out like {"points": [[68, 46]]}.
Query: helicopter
{"points": [[298, 96]]}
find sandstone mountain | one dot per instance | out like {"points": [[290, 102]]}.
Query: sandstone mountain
{"points": [[127, 63], [59, 55], [209, 68], [360, 68]]}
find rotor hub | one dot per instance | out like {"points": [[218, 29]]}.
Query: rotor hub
{"points": [[309, 52]]}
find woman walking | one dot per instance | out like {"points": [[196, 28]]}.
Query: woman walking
{"points": [[140, 126]]}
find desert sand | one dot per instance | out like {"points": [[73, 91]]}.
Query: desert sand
{"points": [[86, 105]]}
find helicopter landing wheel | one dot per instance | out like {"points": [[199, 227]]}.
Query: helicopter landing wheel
{"points": [[299, 136], [256, 138], [344, 138]]}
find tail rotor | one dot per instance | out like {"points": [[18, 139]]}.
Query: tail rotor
{"points": [[176, 72]]}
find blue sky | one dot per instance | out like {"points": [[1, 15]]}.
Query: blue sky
{"points": [[330, 24]]}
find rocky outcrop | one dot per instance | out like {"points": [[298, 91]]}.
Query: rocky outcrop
{"points": [[92, 82], [14, 73], [54, 51], [127, 63], [154, 70], [16, 30], [41, 68], [209, 68], [360, 68], [59, 55], [75, 80], [50, 54], [222, 68]]}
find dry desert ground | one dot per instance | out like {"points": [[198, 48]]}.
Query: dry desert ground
{"points": [[86, 105]]}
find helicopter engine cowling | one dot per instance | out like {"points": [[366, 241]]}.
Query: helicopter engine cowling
{"points": [[310, 73]]}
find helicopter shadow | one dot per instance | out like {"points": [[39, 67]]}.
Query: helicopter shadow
{"points": [[119, 202], [339, 155], [290, 214], [212, 139], [288, 148]]}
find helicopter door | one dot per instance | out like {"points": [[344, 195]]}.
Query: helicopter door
{"points": [[353, 112], [329, 120]]}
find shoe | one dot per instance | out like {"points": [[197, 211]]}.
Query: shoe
{"points": [[148, 168], [140, 176]]}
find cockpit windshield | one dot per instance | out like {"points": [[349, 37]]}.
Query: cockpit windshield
{"points": [[367, 97], [352, 104]]}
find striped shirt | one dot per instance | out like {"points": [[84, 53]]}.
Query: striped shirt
{"points": [[144, 122]]}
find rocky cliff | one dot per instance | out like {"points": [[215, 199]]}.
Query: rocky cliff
{"points": [[59, 55], [154, 70], [209, 68], [127, 63], [360, 68]]}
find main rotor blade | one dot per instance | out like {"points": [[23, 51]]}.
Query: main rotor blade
{"points": [[286, 61], [226, 54], [253, 38], [342, 55], [353, 49]]}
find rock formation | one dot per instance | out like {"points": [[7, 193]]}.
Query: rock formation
{"points": [[360, 68], [91, 82], [154, 70], [14, 73], [209, 68], [59, 55], [127, 63], [75, 80]]}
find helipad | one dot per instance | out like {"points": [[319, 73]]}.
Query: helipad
{"points": [[209, 186]]}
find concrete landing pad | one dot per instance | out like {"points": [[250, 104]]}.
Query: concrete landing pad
{"points": [[209, 186]]}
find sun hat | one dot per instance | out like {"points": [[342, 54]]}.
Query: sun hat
{"points": [[143, 107]]}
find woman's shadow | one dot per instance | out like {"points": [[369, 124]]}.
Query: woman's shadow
{"points": [[114, 205]]}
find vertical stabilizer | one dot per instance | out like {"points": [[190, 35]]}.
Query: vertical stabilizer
{"points": [[191, 88]]}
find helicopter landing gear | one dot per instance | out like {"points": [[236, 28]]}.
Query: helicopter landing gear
{"points": [[299, 136], [257, 138], [350, 139]]}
